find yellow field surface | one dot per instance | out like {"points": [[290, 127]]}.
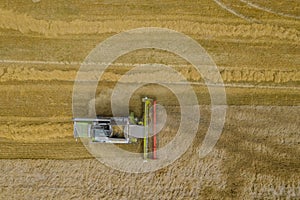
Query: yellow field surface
{"points": [[255, 45]]}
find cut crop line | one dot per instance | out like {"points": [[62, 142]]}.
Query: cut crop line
{"points": [[77, 63], [40, 62], [269, 10], [262, 86], [228, 85], [221, 4], [135, 65], [37, 119], [237, 85]]}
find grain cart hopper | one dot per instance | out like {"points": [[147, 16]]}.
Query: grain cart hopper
{"points": [[124, 130]]}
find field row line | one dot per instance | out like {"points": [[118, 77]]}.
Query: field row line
{"points": [[77, 63], [231, 85], [68, 119]]}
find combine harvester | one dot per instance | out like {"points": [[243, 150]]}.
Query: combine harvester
{"points": [[122, 130]]}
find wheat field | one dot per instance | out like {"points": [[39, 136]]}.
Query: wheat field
{"points": [[254, 44]]}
